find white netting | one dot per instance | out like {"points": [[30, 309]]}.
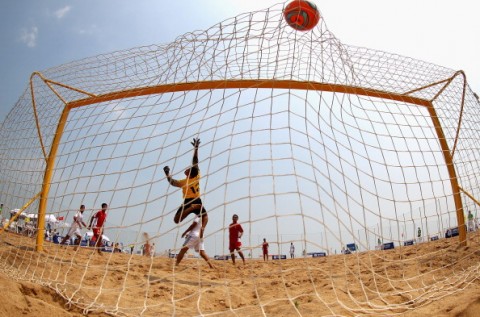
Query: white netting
{"points": [[310, 141]]}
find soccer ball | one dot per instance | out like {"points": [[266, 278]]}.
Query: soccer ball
{"points": [[301, 15]]}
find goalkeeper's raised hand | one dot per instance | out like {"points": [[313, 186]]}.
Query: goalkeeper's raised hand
{"points": [[196, 142], [166, 169]]}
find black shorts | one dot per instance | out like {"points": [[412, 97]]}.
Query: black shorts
{"points": [[193, 201]]}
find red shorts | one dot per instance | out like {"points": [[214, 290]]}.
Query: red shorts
{"points": [[235, 245], [96, 232]]}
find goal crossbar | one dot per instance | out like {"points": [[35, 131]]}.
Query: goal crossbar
{"points": [[245, 84]]}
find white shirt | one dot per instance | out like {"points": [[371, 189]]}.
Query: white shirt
{"points": [[195, 232], [77, 220]]}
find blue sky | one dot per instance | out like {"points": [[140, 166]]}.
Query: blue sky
{"points": [[37, 35]]}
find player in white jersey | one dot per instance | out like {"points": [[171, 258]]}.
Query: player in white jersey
{"points": [[76, 226], [193, 241]]}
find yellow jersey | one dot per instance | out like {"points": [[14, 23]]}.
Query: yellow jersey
{"points": [[190, 186]]}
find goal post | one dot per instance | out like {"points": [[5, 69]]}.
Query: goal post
{"points": [[49, 169], [245, 84]]}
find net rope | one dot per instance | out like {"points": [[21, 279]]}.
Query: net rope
{"points": [[329, 147]]}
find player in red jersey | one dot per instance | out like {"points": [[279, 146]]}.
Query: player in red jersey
{"points": [[98, 221], [265, 249], [235, 233]]}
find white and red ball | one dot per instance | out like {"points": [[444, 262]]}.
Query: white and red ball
{"points": [[302, 15]]}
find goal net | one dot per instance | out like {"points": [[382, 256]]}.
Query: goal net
{"points": [[366, 162]]}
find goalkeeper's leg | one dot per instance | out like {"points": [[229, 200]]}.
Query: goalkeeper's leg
{"points": [[184, 211]]}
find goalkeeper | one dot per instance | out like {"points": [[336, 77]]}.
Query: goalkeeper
{"points": [[190, 190]]}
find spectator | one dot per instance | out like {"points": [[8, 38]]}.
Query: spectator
{"points": [[56, 237], [147, 249], [471, 223], [152, 249]]}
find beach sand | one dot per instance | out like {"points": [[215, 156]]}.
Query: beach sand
{"points": [[437, 278]]}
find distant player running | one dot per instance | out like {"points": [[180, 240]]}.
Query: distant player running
{"points": [[98, 221], [190, 191], [235, 233], [75, 228]]}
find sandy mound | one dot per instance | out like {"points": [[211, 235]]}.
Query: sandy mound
{"points": [[438, 278]]}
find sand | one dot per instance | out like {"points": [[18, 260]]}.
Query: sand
{"points": [[438, 278]]}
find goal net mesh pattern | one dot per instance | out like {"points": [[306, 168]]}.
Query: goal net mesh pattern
{"points": [[332, 148]]}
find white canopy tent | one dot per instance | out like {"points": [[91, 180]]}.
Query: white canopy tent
{"points": [[48, 218], [14, 211]]}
